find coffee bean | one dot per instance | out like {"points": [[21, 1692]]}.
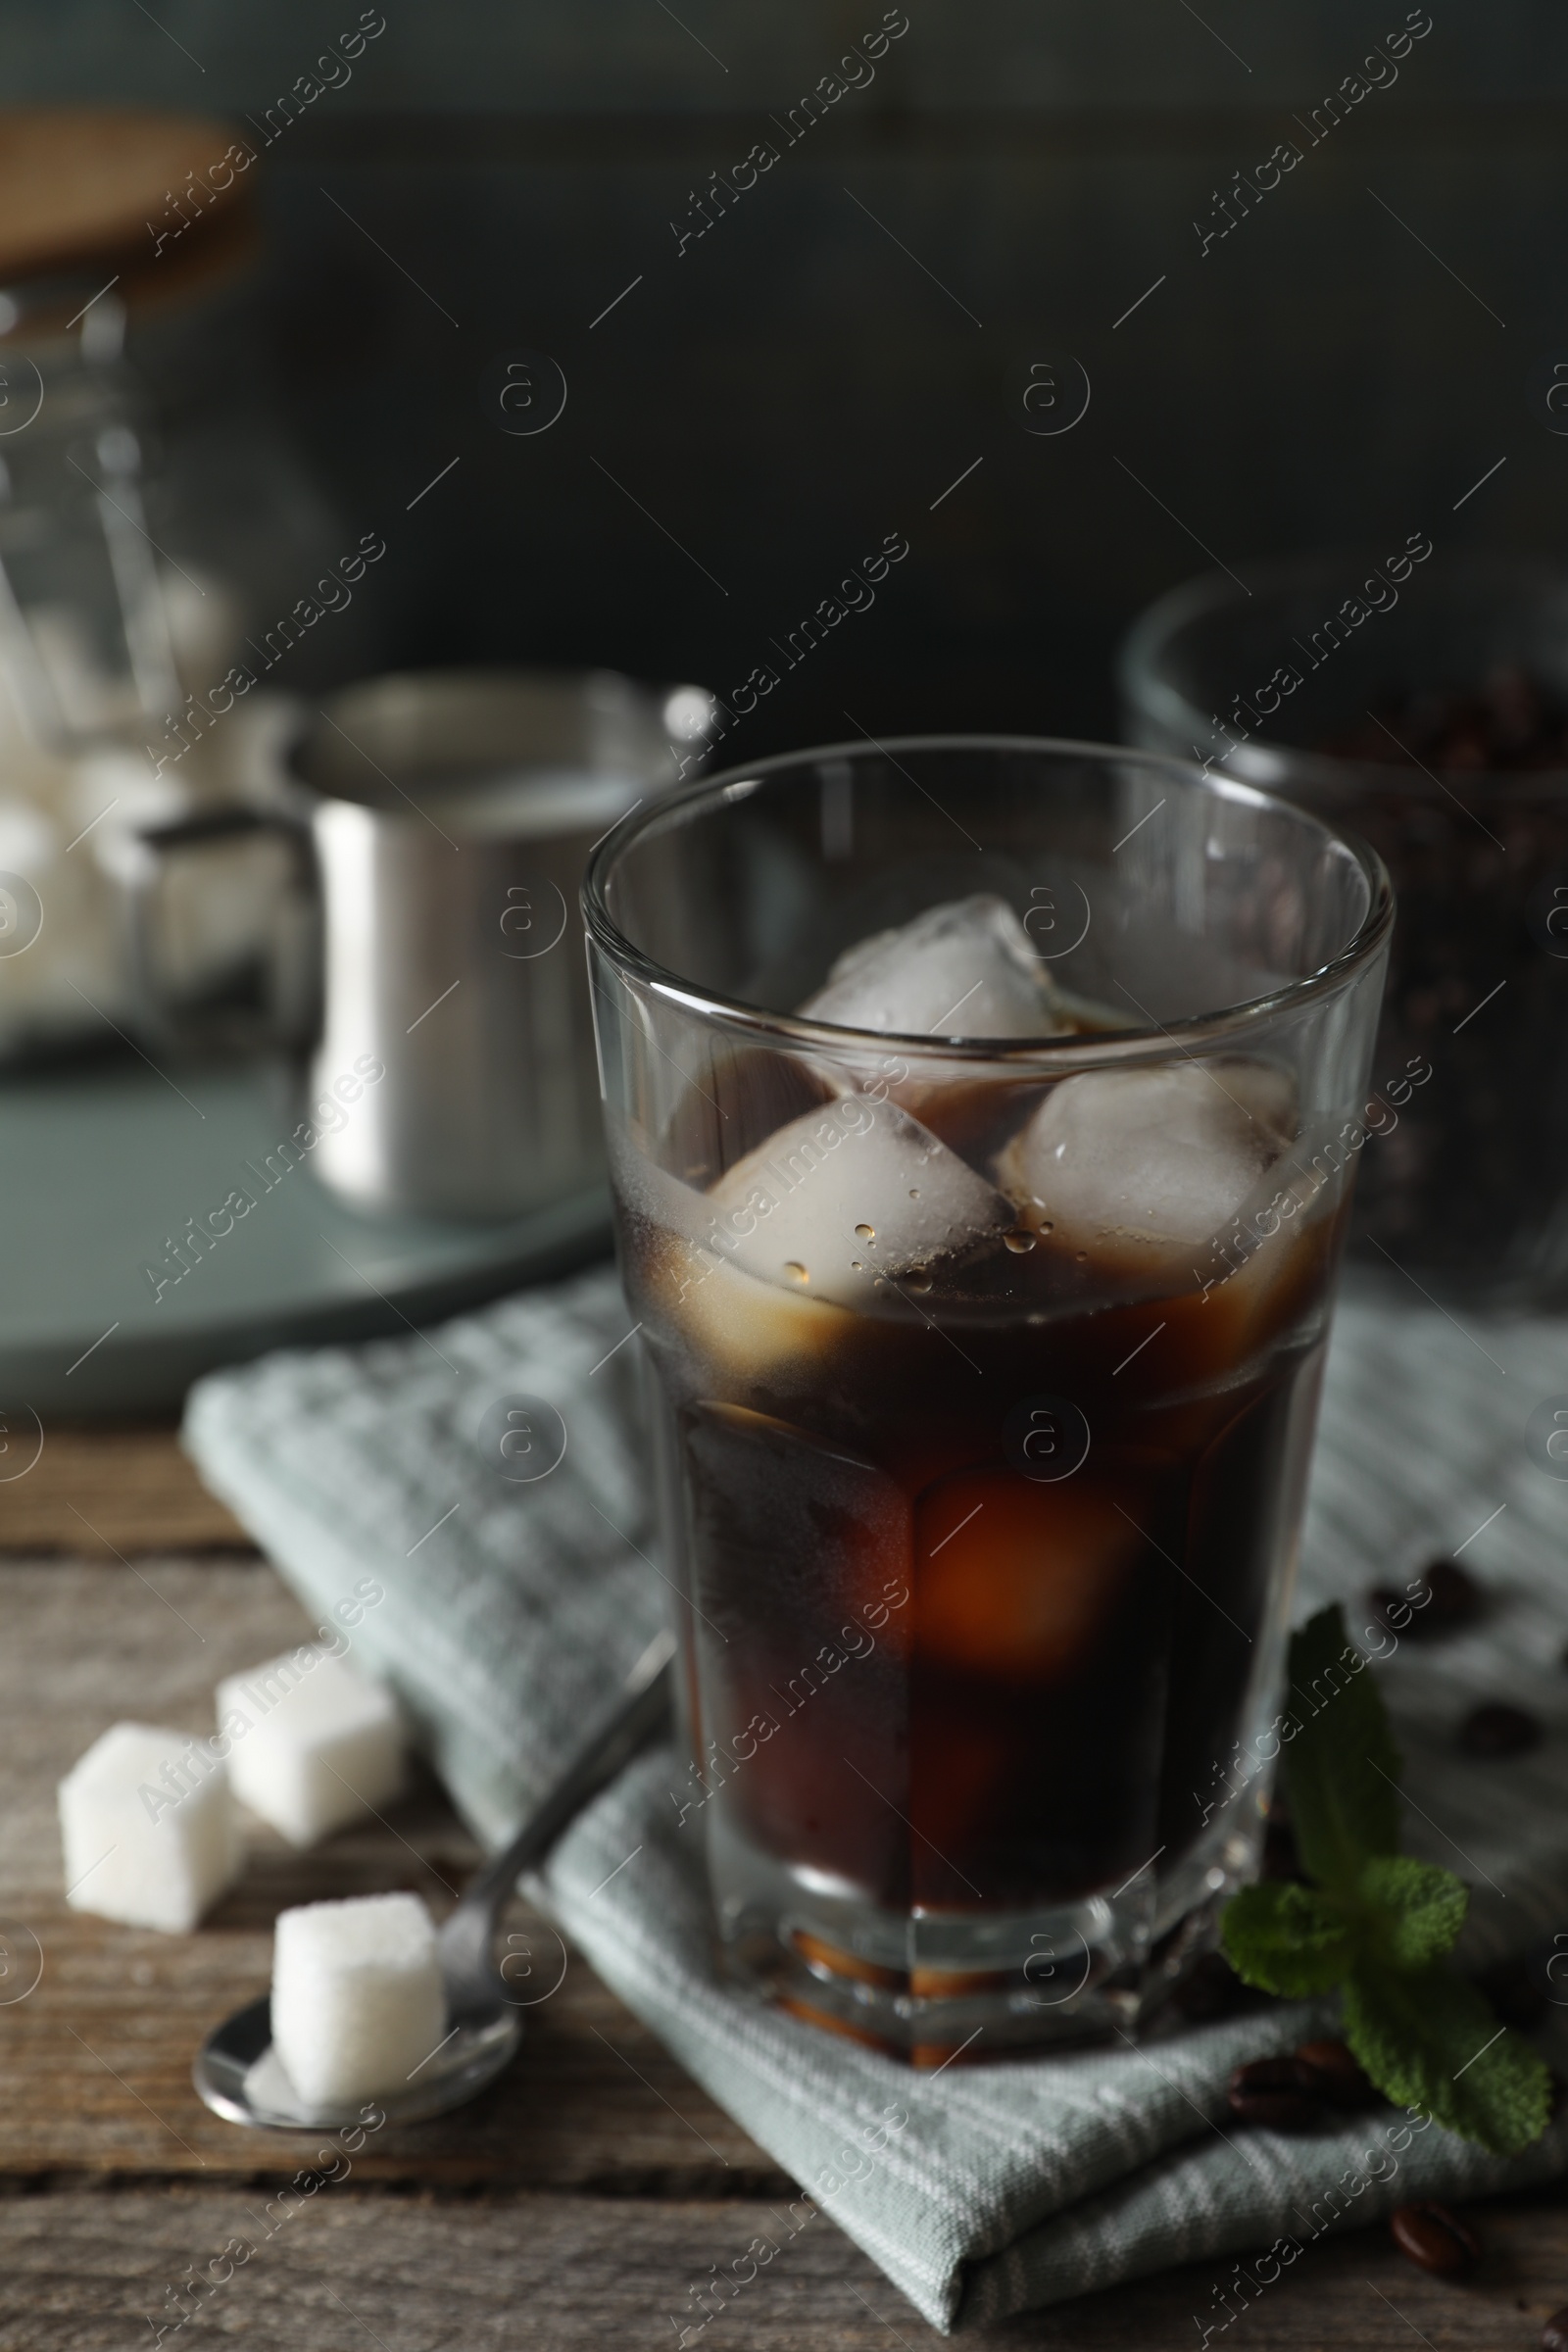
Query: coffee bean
{"points": [[1554, 2334], [1456, 1598], [1275, 2093], [1436, 2237], [1328, 2068], [1453, 1600], [1498, 1730], [1506, 720]]}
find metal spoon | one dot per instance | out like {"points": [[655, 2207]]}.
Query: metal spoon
{"points": [[236, 2071]]}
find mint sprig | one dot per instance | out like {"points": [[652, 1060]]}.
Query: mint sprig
{"points": [[1374, 1923]]}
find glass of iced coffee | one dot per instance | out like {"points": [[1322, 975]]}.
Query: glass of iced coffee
{"points": [[983, 1117]]}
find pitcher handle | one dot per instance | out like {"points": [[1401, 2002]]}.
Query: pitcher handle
{"points": [[288, 1016]]}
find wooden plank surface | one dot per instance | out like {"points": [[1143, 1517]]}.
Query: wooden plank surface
{"points": [[79, 2272], [95, 1492], [585, 2200]]}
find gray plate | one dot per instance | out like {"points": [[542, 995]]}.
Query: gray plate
{"points": [[101, 1168]]}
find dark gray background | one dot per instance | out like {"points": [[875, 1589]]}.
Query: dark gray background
{"points": [[796, 386]]}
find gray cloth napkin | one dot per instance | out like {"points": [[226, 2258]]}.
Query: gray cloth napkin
{"points": [[510, 1610]]}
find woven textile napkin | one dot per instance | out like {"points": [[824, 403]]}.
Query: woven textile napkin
{"points": [[512, 1611]]}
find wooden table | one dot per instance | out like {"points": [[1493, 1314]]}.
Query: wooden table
{"points": [[578, 2204]]}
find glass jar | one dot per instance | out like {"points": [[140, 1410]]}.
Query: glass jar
{"points": [[1314, 685], [155, 526]]}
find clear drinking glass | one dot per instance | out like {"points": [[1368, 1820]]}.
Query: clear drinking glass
{"points": [[987, 1364]]}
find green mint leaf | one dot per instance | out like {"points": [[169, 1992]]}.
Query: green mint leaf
{"points": [[1342, 1768], [1416, 1909], [1284, 1939], [1377, 1923], [1429, 2040]]}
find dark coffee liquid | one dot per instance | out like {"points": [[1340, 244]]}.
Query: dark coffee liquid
{"points": [[979, 1576]]}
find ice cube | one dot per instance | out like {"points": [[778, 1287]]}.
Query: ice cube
{"points": [[356, 1996], [150, 1833], [844, 1195], [1016, 1579], [1140, 1168], [965, 969], [315, 1744], [740, 1330]]}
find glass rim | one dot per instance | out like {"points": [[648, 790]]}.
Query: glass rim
{"points": [[1152, 1040], [1148, 692]]}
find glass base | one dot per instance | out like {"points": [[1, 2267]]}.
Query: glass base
{"points": [[932, 1986]]}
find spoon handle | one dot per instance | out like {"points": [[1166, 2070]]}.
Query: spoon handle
{"points": [[641, 1712]]}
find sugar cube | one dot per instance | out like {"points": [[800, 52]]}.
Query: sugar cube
{"points": [[356, 1996], [313, 1743], [149, 1826]]}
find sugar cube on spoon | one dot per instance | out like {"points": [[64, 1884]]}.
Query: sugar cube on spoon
{"points": [[149, 1826], [313, 1743], [356, 1996]]}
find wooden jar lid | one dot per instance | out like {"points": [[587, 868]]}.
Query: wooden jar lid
{"points": [[84, 191]]}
